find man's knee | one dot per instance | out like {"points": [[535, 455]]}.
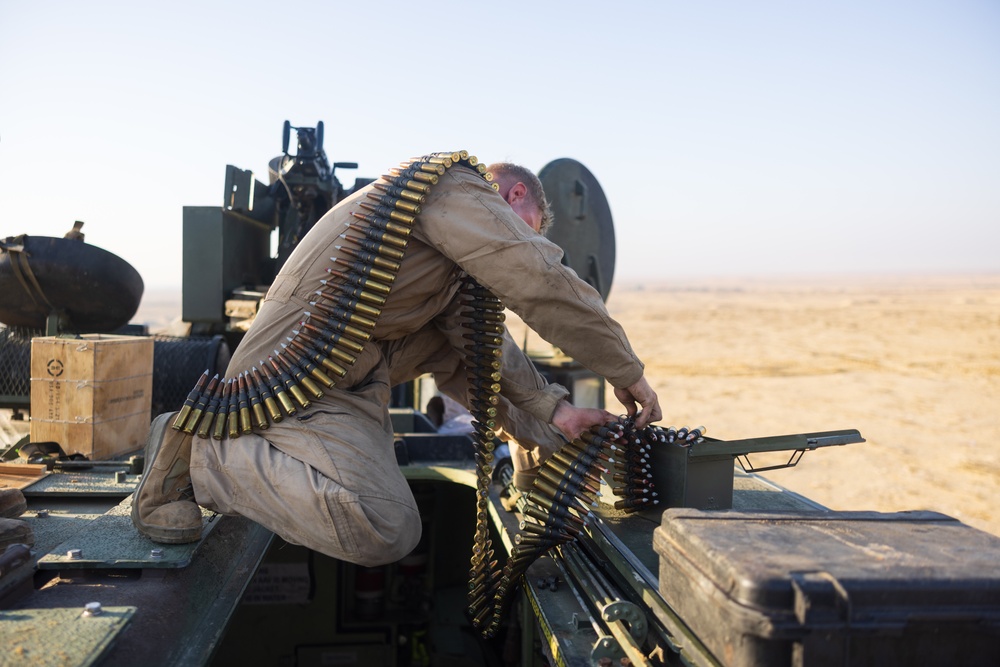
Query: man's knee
{"points": [[392, 532]]}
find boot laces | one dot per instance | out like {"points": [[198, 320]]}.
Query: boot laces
{"points": [[186, 492]]}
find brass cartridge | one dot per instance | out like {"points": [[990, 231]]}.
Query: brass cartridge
{"points": [[486, 327], [447, 162], [485, 385], [593, 451], [568, 460], [290, 363], [487, 409], [265, 394], [388, 213], [317, 350], [351, 305], [485, 397], [367, 270], [246, 426], [385, 224], [341, 314], [486, 364], [278, 390], [483, 304], [635, 503], [569, 477], [485, 350], [429, 167], [200, 404], [407, 183], [331, 289], [372, 245], [695, 433], [219, 427], [484, 339], [308, 359], [256, 406], [205, 426], [379, 235], [403, 193], [395, 202], [371, 258], [535, 541], [490, 316], [454, 156], [334, 332], [577, 469], [486, 374], [190, 401], [555, 507], [286, 379], [483, 432], [233, 414], [354, 278]]}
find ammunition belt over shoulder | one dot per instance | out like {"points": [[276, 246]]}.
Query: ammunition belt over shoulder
{"points": [[327, 342]]}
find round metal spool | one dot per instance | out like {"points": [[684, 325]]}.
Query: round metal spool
{"points": [[89, 288], [583, 227]]}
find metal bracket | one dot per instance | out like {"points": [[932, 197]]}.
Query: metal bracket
{"points": [[623, 610], [793, 460], [606, 648]]}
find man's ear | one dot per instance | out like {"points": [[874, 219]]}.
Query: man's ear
{"points": [[517, 193]]}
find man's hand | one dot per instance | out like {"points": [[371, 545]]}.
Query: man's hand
{"points": [[643, 394], [573, 421]]}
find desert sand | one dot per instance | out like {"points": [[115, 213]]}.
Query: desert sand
{"points": [[912, 363]]}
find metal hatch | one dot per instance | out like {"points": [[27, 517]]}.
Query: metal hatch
{"points": [[583, 227]]}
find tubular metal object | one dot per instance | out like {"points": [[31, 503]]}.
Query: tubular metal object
{"points": [[88, 288]]}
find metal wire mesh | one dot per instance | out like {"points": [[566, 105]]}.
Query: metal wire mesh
{"points": [[15, 366], [177, 364]]}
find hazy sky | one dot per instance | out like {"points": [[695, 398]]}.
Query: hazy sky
{"points": [[730, 137]]}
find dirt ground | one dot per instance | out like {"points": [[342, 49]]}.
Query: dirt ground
{"points": [[913, 364]]}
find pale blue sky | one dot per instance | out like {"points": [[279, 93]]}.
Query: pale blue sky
{"points": [[770, 138]]}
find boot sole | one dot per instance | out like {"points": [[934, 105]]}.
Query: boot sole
{"points": [[155, 533]]}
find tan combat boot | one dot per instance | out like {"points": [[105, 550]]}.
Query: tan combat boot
{"points": [[12, 531], [162, 506], [12, 503]]}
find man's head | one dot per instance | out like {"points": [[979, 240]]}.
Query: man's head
{"points": [[523, 191]]}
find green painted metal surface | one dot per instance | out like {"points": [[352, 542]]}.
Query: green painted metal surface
{"points": [[112, 541], [89, 482], [63, 636]]}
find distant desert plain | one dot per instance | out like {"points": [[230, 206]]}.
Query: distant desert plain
{"points": [[912, 362]]}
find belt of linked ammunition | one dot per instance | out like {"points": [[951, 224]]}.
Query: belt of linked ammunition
{"points": [[562, 495], [328, 341], [560, 501]]}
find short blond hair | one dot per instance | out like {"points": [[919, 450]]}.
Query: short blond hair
{"points": [[507, 174]]}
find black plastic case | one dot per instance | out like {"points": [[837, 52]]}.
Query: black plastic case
{"points": [[833, 588]]}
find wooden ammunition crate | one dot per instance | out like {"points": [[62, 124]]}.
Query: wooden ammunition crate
{"points": [[92, 394]]}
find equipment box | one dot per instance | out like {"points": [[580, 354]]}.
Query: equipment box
{"points": [[833, 588], [91, 394]]}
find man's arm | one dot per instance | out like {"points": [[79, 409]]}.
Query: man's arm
{"points": [[472, 225]]}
